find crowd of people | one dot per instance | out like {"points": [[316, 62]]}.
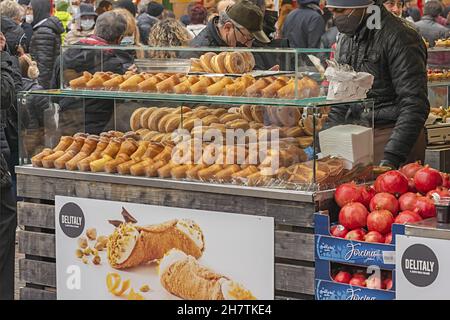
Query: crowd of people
{"points": [[32, 33]]}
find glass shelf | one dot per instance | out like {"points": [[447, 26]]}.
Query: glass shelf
{"points": [[189, 98], [438, 83]]}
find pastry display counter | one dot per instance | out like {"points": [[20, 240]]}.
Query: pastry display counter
{"points": [[264, 154]]}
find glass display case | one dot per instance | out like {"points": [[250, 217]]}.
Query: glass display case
{"points": [[438, 76], [162, 117]]}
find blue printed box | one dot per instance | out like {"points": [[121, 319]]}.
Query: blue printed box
{"points": [[346, 251], [329, 290]]}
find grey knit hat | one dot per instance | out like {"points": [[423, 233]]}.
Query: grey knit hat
{"points": [[349, 4]]}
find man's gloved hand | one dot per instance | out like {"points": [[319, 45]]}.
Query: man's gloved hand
{"points": [[386, 163]]}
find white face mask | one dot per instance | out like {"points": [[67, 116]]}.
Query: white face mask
{"points": [[87, 24], [29, 18], [127, 41]]}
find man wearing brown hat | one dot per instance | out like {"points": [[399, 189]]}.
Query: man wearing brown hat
{"points": [[238, 26]]}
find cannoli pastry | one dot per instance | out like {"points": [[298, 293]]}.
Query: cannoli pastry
{"points": [[130, 245], [80, 82], [131, 84], [113, 83], [89, 146], [168, 84], [255, 89], [83, 165], [218, 87], [36, 160], [200, 86], [182, 275]]}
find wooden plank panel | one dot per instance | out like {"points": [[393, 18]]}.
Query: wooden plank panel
{"points": [[37, 244], [285, 212], [293, 245], [36, 294], [38, 272], [36, 215], [297, 279], [290, 278]]}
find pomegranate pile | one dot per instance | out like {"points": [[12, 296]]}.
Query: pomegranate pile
{"points": [[397, 196], [356, 276]]}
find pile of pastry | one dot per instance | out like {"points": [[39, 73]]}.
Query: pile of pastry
{"points": [[224, 62], [442, 43], [268, 87], [157, 123], [116, 152], [438, 75]]}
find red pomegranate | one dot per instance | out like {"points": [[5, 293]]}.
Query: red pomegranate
{"points": [[412, 186], [410, 169], [384, 201], [367, 193], [388, 239], [445, 180], [356, 235], [357, 281], [360, 275], [380, 220], [338, 231], [343, 277], [427, 179], [393, 182], [442, 192], [374, 282], [346, 193], [374, 236], [387, 284], [353, 216], [407, 201], [407, 216], [425, 207]]}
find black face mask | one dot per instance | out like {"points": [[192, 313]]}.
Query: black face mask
{"points": [[349, 24]]}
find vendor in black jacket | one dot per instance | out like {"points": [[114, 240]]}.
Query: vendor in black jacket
{"points": [[94, 115], [396, 56]]}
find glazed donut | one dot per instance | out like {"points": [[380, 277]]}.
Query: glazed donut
{"points": [[199, 108], [272, 116], [227, 117], [173, 123], [256, 125], [257, 113], [180, 110], [249, 60], [218, 112], [188, 124], [218, 63], [238, 124], [246, 112], [208, 120], [201, 113], [234, 63], [135, 119], [144, 117], [155, 118], [288, 116], [162, 123], [205, 61]]}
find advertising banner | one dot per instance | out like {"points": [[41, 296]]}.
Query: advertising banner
{"points": [[117, 250], [422, 265]]}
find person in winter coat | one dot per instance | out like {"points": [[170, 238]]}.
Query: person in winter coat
{"points": [[8, 217], [103, 7], [238, 26], [146, 20], [197, 20], [26, 26], [428, 27], [94, 115], [304, 26], [396, 56], [46, 41], [63, 16], [84, 26], [12, 15], [127, 5]]}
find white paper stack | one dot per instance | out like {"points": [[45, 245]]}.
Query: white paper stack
{"points": [[352, 142]]}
